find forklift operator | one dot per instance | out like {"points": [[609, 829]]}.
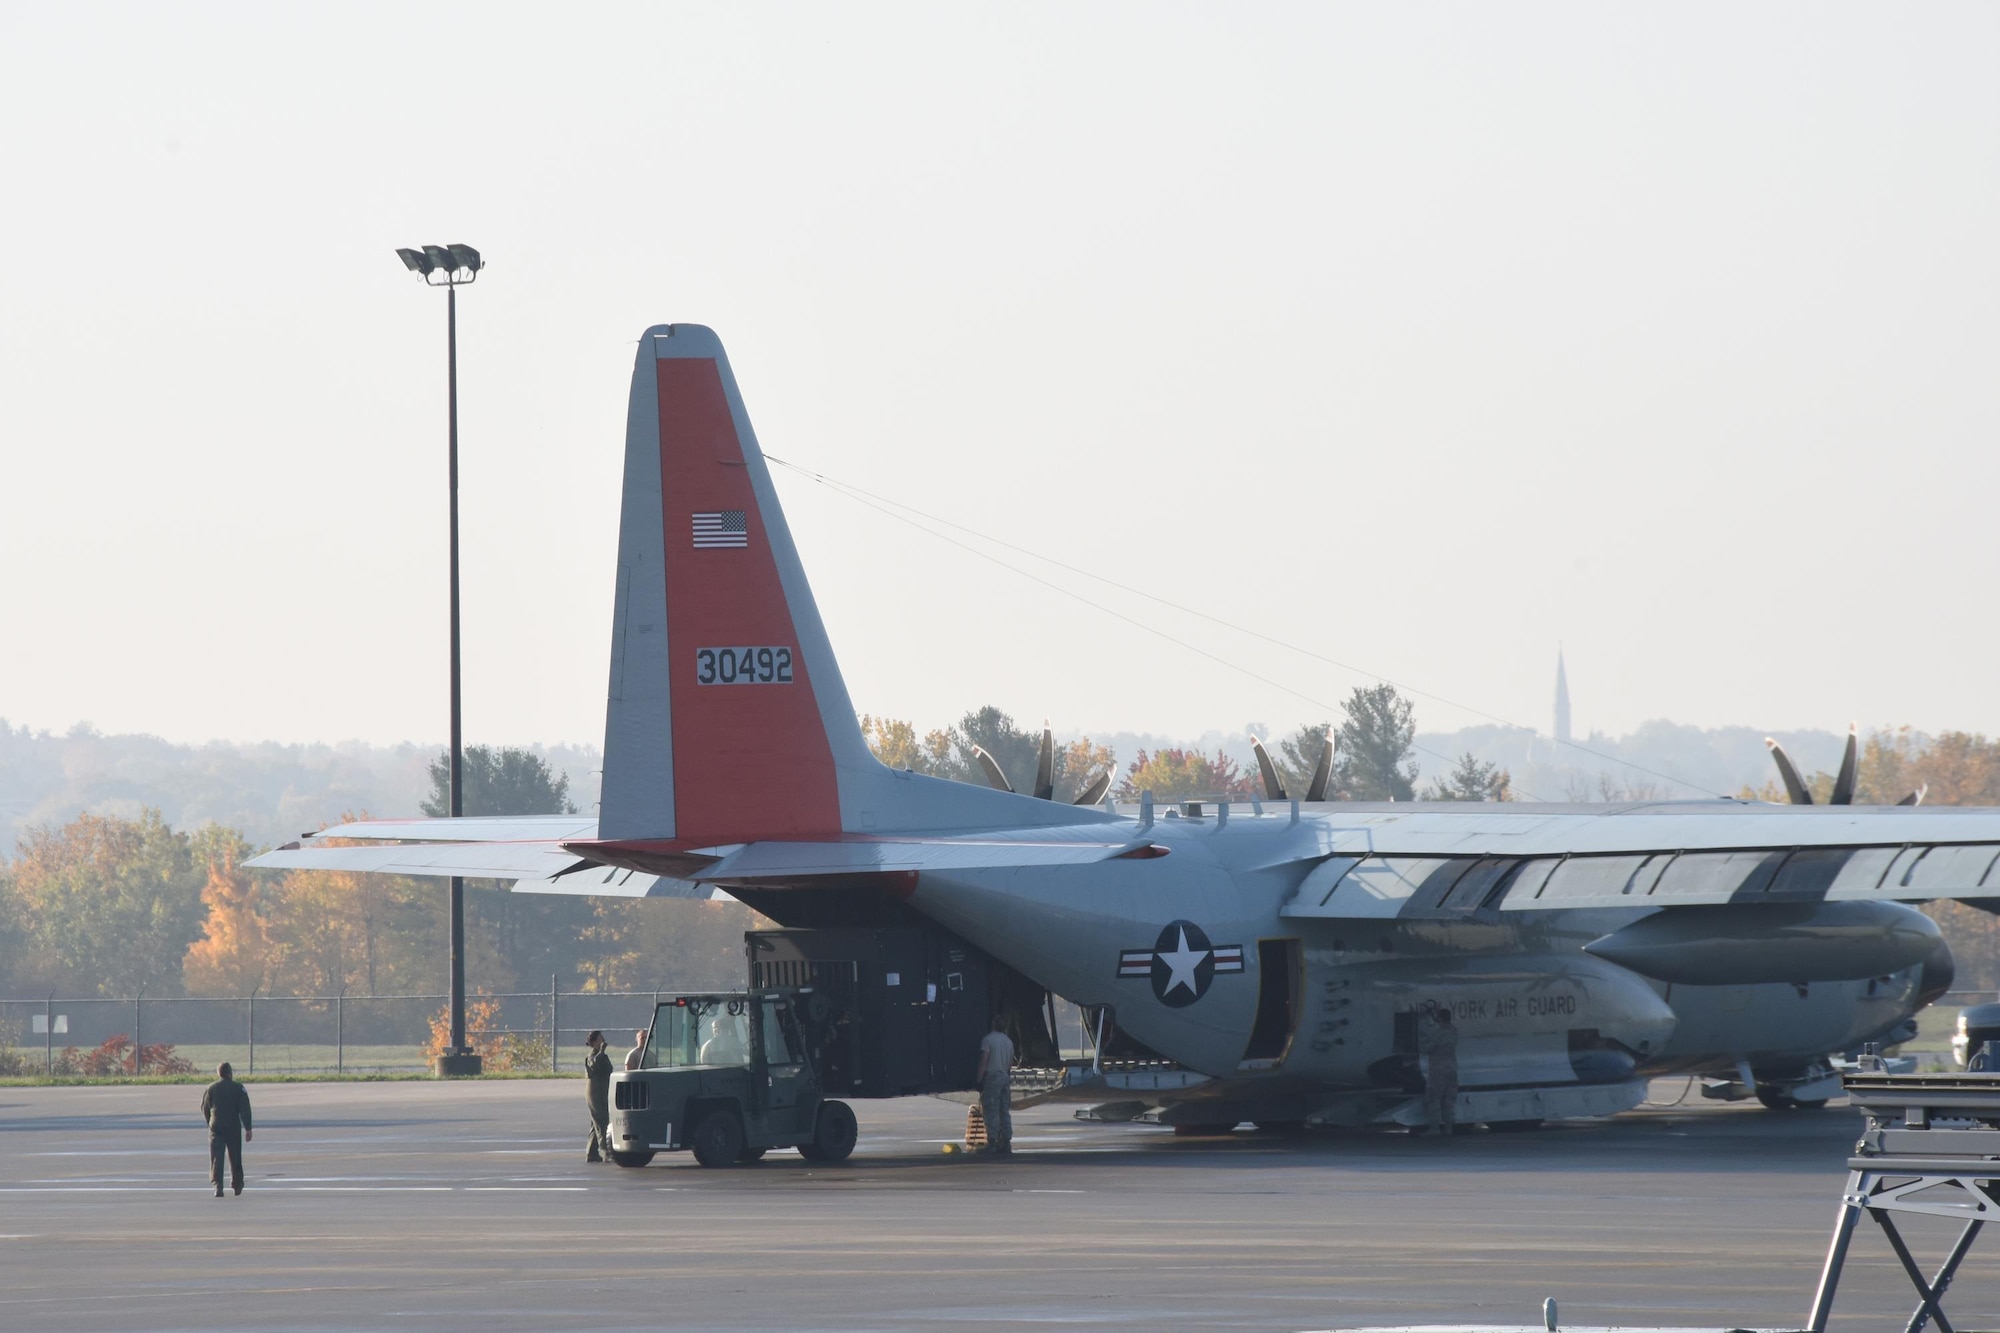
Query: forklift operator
{"points": [[727, 1041]]}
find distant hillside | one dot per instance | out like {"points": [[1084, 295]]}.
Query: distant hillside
{"points": [[1660, 759], [271, 792], [275, 792]]}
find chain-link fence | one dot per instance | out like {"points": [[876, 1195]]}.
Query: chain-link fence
{"points": [[307, 1034], [528, 1032]]}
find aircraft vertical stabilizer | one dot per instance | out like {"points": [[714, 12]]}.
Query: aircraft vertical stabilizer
{"points": [[728, 720]]}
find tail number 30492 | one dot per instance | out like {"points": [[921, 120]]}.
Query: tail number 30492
{"points": [[743, 666]]}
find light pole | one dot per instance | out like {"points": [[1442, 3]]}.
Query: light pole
{"points": [[451, 267]]}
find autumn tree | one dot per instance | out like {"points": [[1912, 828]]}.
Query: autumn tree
{"points": [[234, 954], [109, 904], [13, 938], [1470, 780], [949, 753], [1185, 775], [896, 744], [668, 944]]}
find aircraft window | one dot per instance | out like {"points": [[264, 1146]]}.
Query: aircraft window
{"points": [[1591, 877], [1477, 884], [1649, 874], [1324, 878], [1715, 876], [777, 1051], [1865, 870], [1447, 874], [1898, 873], [1951, 868], [1378, 881], [1810, 872], [1534, 876]]}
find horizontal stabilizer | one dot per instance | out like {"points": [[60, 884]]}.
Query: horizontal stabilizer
{"points": [[471, 860], [473, 828]]}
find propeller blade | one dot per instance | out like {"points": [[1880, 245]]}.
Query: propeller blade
{"points": [[1093, 790], [1274, 786], [994, 777], [1916, 797], [1795, 787], [1045, 767], [1843, 783], [1323, 773]]}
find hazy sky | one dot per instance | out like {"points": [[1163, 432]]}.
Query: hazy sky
{"points": [[1421, 337]]}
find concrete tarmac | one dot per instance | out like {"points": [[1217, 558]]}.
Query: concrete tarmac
{"points": [[469, 1206]]}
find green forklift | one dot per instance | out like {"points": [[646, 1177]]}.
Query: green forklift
{"points": [[730, 1076]]}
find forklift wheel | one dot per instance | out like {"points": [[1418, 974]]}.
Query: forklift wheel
{"points": [[632, 1158], [834, 1135], [718, 1139]]}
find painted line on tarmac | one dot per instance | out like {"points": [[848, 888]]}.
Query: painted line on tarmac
{"points": [[97, 1189], [363, 1189]]}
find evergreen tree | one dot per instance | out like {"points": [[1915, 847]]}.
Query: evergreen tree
{"points": [[1374, 761], [508, 781], [1470, 780]]}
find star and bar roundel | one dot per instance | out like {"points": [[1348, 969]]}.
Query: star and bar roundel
{"points": [[1181, 963]]}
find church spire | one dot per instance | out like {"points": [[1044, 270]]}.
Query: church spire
{"points": [[1562, 698]]}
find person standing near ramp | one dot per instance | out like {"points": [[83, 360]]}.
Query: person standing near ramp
{"points": [[226, 1108], [1437, 1042], [597, 1091], [996, 1086]]}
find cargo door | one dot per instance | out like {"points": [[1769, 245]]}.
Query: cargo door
{"points": [[1278, 968], [956, 1017]]}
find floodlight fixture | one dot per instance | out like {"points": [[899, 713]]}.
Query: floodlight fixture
{"points": [[443, 265], [450, 267]]}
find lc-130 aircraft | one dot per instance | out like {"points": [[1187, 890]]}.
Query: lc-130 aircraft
{"points": [[1269, 959]]}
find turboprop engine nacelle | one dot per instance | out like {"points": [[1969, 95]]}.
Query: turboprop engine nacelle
{"points": [[1744, 944]]}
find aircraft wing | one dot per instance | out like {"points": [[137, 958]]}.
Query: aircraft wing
{"points": [[1666, 855], [551, 855], [525, 849]]}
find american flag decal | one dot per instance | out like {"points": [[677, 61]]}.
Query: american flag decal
{"points": [[726, 528]]}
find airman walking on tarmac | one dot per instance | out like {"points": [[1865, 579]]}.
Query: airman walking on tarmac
{"points": [[226, 1108]]}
